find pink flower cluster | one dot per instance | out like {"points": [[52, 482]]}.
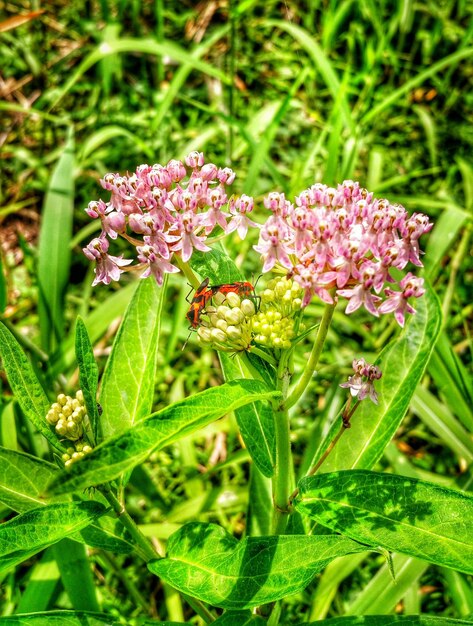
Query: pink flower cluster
{"points": [[343, 241], [361, 384], [170, 215]]}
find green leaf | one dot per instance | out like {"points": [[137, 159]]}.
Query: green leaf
{"points": [[392, 620], [256, 423], [31, 532], [74, 565], [217, 266], [53, 249], [42, 585], [123, 452], [207, 563], [400, 514], [88, 374], [25, 385], [239, 618], [403, 363], [61, 618], [127, 387], [23, 478], [3, 288]]}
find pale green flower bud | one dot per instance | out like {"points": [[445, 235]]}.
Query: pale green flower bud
{"points": [[222, 311], [222, 325], [66, 457], [68, 463], [218, 335], [62, 399], [61, 428], [233, 332], [248, 308], [268, 295], [52, 417], [233, 299], [67, 410], [80, 396], [234, 316], [87, 449], [204, 334]]}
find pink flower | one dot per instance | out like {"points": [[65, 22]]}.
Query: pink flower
{"points": [[107, 266]]}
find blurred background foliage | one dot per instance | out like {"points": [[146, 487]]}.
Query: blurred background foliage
{"points": [[288, 94]]}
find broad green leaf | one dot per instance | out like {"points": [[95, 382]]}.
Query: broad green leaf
{"points": [[217, 266], [127, 386], [207, 563], [256, 424], [23, 478], [25, 385], [88, 374], [392, 620], [31, 532], [400, 514], [239, 618], [53, 249], [123, 452], [61, 618], [403, 363]]}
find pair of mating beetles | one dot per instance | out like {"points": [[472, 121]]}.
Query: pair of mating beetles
{"points": [[204, 293]]}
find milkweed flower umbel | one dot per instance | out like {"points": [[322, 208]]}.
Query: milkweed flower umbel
{"points": [[343, 242], [361, 384], [164, 211]]}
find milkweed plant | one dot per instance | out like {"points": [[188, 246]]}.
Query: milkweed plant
{"points": [[328, 249]]}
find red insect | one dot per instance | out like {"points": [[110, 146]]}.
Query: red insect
{"points": [[244, 289], [202, 295]]}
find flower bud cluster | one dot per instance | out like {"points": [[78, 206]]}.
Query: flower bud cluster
{"points": [[161, 213], [273, 325], [76, 454], [228, 325], [68, 416], [361, 384]]}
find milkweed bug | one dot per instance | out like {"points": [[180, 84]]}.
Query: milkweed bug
{"points": [[202, 295]]}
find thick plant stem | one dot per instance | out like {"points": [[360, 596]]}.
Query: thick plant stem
{"points": [[282, 473], [145, 548], [283, 470], [314, 357]]}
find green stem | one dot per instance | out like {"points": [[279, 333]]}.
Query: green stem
{"points": [[144, 546], [282, 472], [314, 357], [146, 549], [187, 271]]}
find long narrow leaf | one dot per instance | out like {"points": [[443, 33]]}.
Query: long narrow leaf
{"points": [[403, 363], [54, 252], [123, 452], [127, 387], [25, 385]]}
